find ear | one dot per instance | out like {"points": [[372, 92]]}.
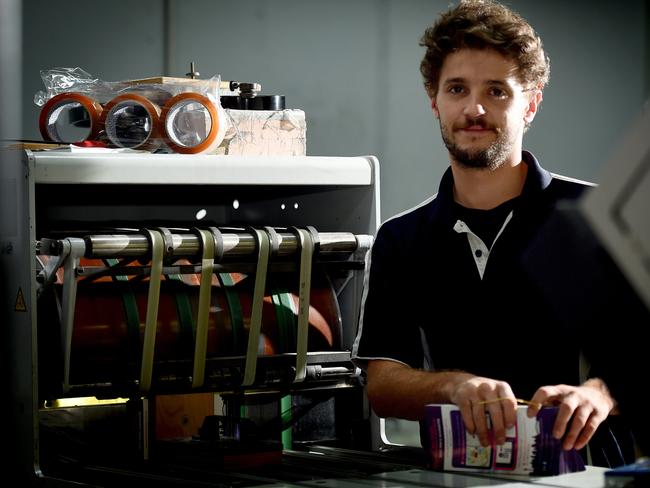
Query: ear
{"points": [[533, 104], [434, 108]]}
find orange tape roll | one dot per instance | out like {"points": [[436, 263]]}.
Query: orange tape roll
{"points": [[70, 117], [189, 124], [131, 121]]}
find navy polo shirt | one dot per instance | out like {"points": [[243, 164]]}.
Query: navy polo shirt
{"points": [[439, 298]]}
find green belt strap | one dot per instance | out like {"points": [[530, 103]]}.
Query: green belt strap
{"points": [[185, 319], [282, 332], [285, 419], [131, 312], [289, 308], [234, 309], [285, 317]]}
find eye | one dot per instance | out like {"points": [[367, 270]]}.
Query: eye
{"points": [[455, 89], [497, 92]]}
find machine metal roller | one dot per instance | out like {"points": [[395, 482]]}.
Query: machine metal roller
{"points": [[156, 309]]}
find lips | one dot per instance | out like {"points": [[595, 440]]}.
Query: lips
{"points": [[475, 128]]}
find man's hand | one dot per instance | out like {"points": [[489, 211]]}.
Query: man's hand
{"points": [[584, 407], [474, 396]]}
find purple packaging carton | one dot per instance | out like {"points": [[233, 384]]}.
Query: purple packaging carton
{"points": [[530, 447]]}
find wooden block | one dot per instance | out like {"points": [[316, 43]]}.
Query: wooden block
{"points": [[189, 82], [181, 415]]}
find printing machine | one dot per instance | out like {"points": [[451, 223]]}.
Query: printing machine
{"points": [[174, 320], [188, 318]]}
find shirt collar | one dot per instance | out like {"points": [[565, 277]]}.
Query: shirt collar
{"points": [[537, 180]]}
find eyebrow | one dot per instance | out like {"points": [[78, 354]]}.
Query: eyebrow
{"points": [[497, 83], [453, 80], [488, 82]]}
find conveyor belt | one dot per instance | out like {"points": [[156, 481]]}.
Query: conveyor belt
{"points": [[314, 465], [325, 467]]}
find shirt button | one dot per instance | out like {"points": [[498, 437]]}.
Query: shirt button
{"points": [[478, 253]]}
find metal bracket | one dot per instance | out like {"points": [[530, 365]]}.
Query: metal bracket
{"points": [[263, 247], [205, 295], [73, 248], [306, 242], [151, 322]]}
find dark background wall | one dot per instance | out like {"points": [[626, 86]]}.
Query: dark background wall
{"points": [[352, 66]]}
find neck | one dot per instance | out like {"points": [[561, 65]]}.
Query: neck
{"points": [[485, 189]]}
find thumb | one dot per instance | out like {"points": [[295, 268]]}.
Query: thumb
{"points": [[533, 409]]}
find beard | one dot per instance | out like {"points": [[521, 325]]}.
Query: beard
{"points": [[491, 157]]}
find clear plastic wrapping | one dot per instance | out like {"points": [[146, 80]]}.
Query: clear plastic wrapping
{"points": [[162, 114], [158, 114]]}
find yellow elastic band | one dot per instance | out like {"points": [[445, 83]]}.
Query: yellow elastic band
{"points": [[518, 400]]}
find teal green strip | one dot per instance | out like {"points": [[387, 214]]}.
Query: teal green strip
{"points": [[236, 315], [290, 320], [185, 318], [280, 320], [131, 311], [285, 408]]}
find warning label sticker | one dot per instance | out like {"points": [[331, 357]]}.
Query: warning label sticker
{"points": [[20, 302]]}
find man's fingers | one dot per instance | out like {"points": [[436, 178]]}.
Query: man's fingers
{"points": [[578, 422], [478, 413], [561, 422], [543, 396], [509, 408], [497, 421], [468, 416], [587, 432], [503, 414], [508, 405]]}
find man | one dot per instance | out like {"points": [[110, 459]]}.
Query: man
{"points": [[451, 315]]}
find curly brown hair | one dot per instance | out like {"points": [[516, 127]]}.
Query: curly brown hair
{"points": [[484, 24]]}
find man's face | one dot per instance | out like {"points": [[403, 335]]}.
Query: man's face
{"points": [[483, 108]]}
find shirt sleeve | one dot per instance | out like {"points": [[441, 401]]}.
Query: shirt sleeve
{"points": [[388, 328]]}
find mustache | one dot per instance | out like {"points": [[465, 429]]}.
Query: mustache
{"points": [[470, 122]]}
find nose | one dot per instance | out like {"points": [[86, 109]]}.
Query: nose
{"points": [[474, 107]]}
